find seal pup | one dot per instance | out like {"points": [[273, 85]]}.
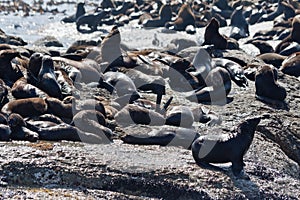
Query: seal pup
{"points": [[19, 130], [267, 88], [226, 147], [47, 79], [79, 11], [184, 18], [25, 107], [165, 15], [240, 27], [291, 65]]}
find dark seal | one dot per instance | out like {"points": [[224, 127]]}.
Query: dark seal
{"points": [[226, 147]]}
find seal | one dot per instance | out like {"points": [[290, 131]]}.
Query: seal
{"points": [[272, 59], [94, 122], [235, 70], [79, 11], [21, 89], [226, 147], [218, 87], [19, 130], [164, 136], [4, 132], [240, 27], [124, 87], [263, 46], [180, 116], [8, 73], [184, 18], [212, 35], [267, 88], [34, 66], [291, 65], [206, 116], [47, 79], [59, 109], [165, 15], [134, 114], [25, 107], [66, 84], [293, 36], [91, 20], [66, 132], [3, 93]]}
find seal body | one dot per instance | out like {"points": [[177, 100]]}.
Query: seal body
{"points": [[47, 79], [25, 107], [225, 148], [267, 88]]}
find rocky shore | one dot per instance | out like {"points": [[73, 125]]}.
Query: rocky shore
{"points": [[75, 170]]}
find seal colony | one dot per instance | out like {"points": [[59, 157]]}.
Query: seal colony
{"points": [[133, 86]]}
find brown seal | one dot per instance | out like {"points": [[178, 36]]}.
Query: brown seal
{"points": [[67, 132], [47, 79], [134, 114], [25, 107], [226, 147], [272, 59], [212, 36], [291, 65], [59, 109], [19, 130], [21, 89], [292, 37], [34, 66], [184, 18], [267, 88], [165, 15]]}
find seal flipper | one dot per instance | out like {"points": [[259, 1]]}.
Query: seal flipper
{"points": [[206, 165]]}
